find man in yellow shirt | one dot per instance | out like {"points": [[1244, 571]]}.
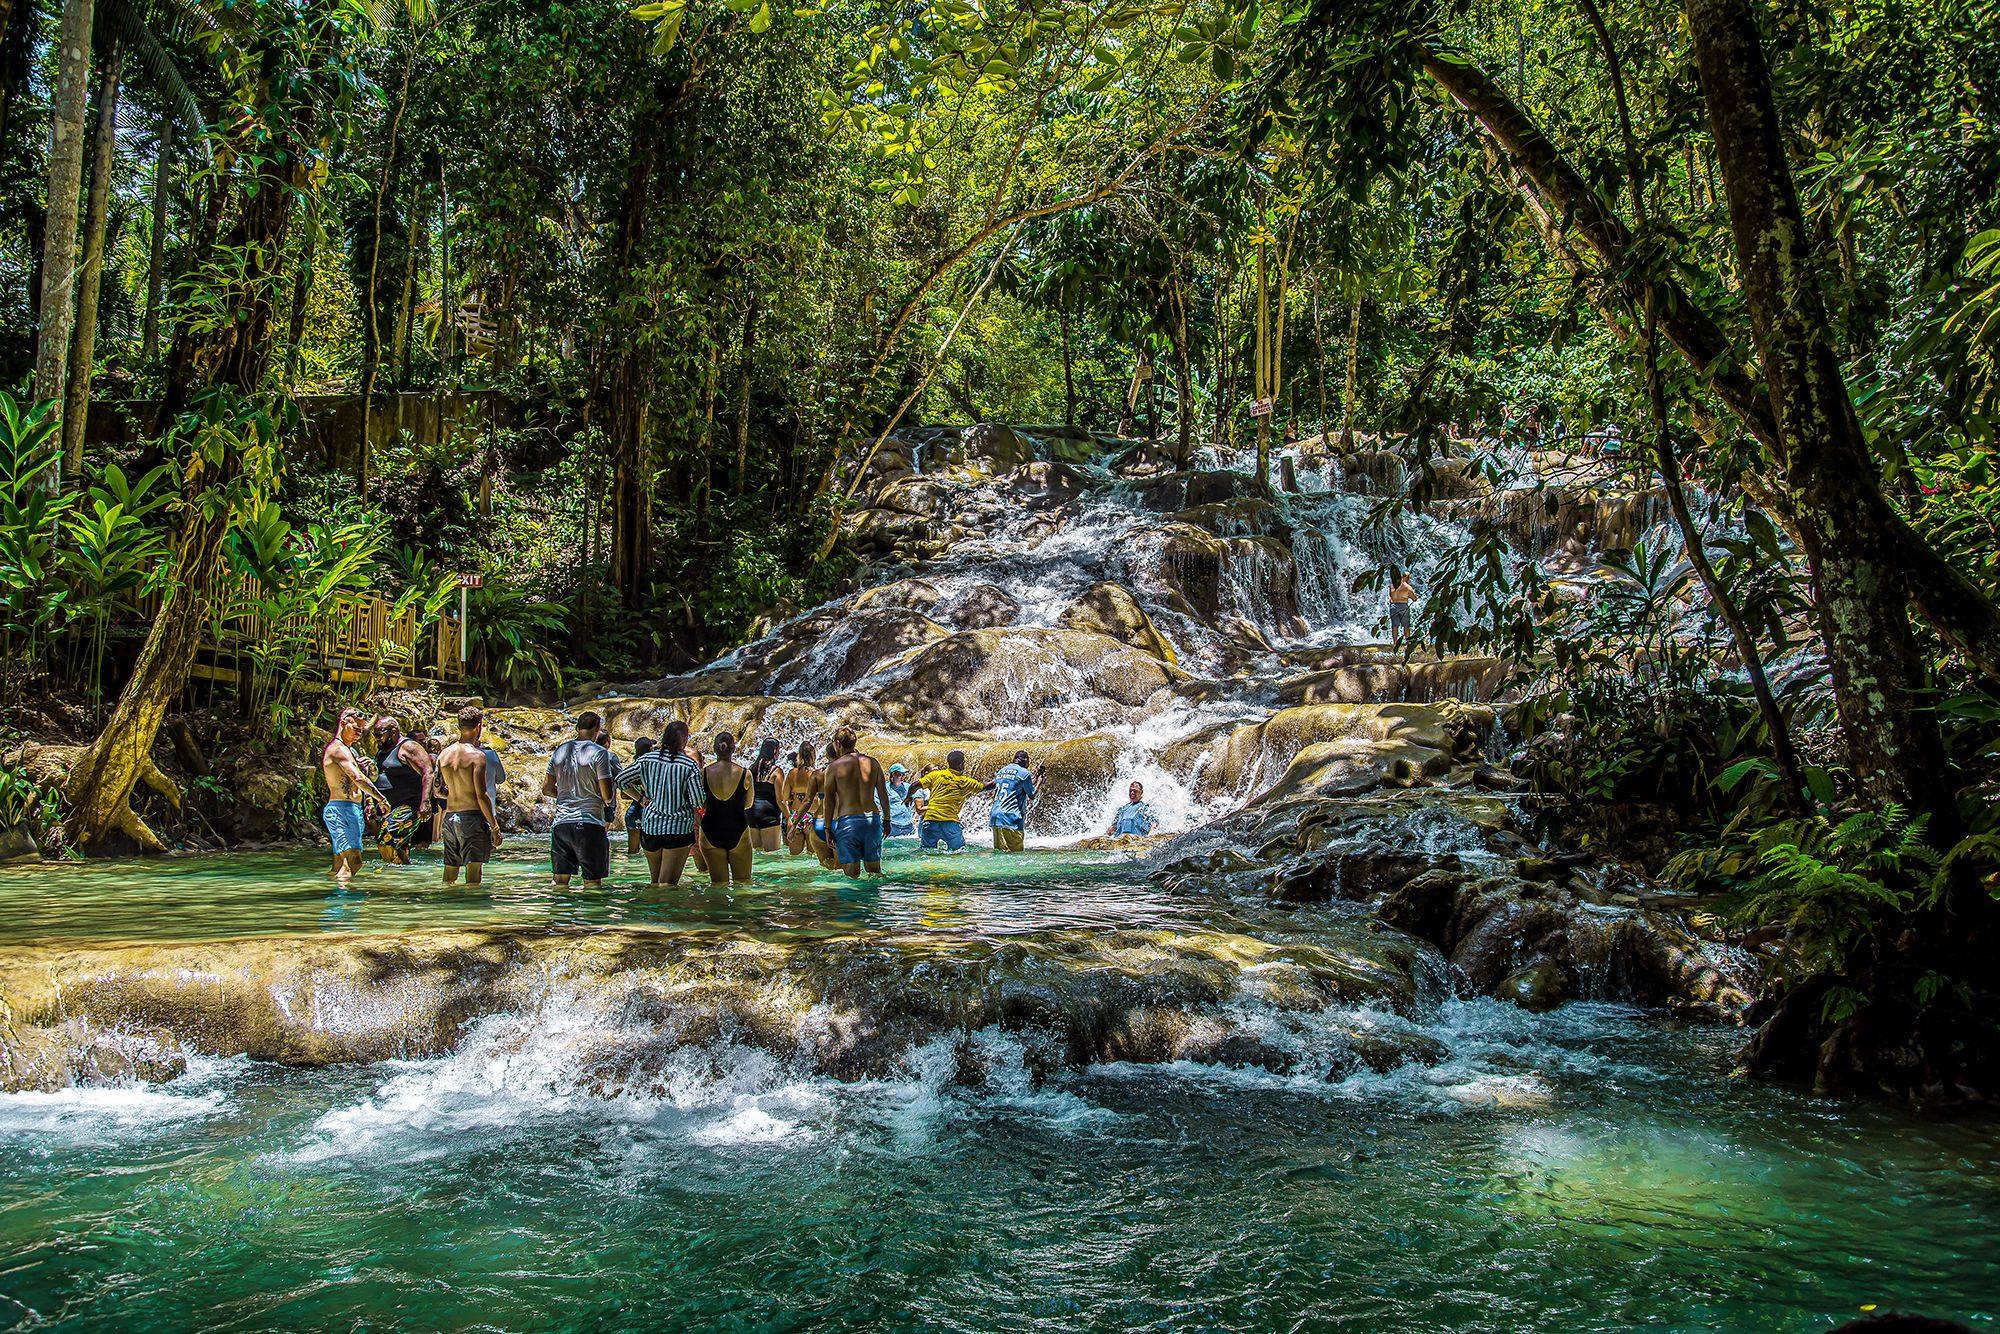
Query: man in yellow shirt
{"points": [[949, 788]]}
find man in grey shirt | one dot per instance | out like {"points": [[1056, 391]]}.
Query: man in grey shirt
{"points": [[582, 778]]}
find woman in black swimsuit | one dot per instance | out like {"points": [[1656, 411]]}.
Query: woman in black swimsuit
{"points": [[767, 818], [725, 815]]}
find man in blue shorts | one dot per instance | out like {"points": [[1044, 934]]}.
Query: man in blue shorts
{"points": [[346, 788], [856, 792]]}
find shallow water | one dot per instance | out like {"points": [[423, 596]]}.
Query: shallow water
{"points": [[228, 895], [1594, 1169]]}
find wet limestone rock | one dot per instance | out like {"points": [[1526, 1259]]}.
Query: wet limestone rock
{"points": [[983, 607], [1537, 988], [977, 680], [1108, 609], [17, 844]]}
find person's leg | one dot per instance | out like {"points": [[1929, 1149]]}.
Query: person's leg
{"points": [[563, 861], [350, 865], [451, 875], [927, 835], [655, 861], [871, 846], [672, 862], [472, 873], [716, 862], [954, 835], [594, 855], [739, 862], [1006, 840]]}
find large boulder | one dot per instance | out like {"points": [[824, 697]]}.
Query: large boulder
{"points": [[1108, 609], [1045, 485], [1215, 580], [991, 448], [982, 607], [979, 680]]}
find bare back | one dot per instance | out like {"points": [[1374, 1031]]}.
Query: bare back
{"points": [[801, 782], [850, 785], [463, 767]]}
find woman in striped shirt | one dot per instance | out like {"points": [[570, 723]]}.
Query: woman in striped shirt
{"points": [[672, 782]]}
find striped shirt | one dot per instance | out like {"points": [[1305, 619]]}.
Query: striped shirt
{"points": [[673, 791]]}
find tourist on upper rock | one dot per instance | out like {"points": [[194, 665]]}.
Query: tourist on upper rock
{"points": [[725, 815], [471, 822], [801, 789], [948, 788], [767, 816], [346, 787], [673, 786], [1013, 788], [902, 820], [855, 791], [1135, 817], [1401, 595], [405, 770], [634, 794], [583, 778]]}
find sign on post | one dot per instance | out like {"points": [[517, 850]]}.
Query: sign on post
{"points": [[1260, 408], [465, 581]]}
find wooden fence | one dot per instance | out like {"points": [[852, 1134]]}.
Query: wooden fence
{"points": [[354, 637]]}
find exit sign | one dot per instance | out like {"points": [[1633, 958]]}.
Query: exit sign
{"points": [[471, 580]]}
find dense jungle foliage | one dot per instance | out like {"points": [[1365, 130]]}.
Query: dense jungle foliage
{"points": [[680, 266]]}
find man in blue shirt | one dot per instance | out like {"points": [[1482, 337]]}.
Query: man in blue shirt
{"points": [[1013, 789], [1135, 817]]}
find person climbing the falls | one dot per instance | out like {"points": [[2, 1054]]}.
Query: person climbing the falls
{"points": [[1013, 788], [1135, 818], [949, 787], [583, 778], [634, 794], [725, 815], [801, 787], [902, 819], [674, 793], [1401, 595], [404, 767], [346, 788], [855, 791], [471, 824], [767, 817]]}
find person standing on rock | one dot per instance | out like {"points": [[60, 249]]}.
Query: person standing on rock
{"points": [[902, 820], [583, 778], [1013, 788], [672, 783], [725, 815], [346, 788], [1135, 818], [405, 770], [1401, 595], [949, 787], [767, 817], [856, 793], [471, 824]]}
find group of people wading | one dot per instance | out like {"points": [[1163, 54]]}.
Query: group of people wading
{"points": [[680, 804]]}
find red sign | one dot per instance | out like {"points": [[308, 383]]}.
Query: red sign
{"points": [[471, 580], [1261, 408]]}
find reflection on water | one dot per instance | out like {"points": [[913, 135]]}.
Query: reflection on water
{"points": [[284, 893]]}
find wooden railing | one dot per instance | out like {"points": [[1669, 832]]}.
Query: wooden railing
{"points": [[358, 634]]}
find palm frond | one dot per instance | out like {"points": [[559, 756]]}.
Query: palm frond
{"points": [[144, 47]]}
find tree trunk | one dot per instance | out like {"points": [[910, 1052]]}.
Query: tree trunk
{"points": [[1069, 372], [1319, 344], [66, 116], [1353, 367], [405, 310], [104, 159], [1879, 676], [743, 394], [1183, 383], [295, 332], [1262, 376], [14, 55], [156, 259], [234, 355]]}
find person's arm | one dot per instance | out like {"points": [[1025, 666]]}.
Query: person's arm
{"points": [[419, 759], [747, 790], [356, 779], [882, 797], [548, 779], [485, 797]]}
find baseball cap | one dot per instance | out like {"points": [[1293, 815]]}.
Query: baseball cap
{"points": [[897, 769]]}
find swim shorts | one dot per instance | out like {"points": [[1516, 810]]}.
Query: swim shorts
{"points": [[1399, 615], [665, 842], [345, 825], [1007, 840], [399, 833], [580, 847], [857, 839], [467, 839], [947, 832]]}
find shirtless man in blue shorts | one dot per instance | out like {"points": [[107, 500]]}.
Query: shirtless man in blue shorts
{"points": [[346, 788]]}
